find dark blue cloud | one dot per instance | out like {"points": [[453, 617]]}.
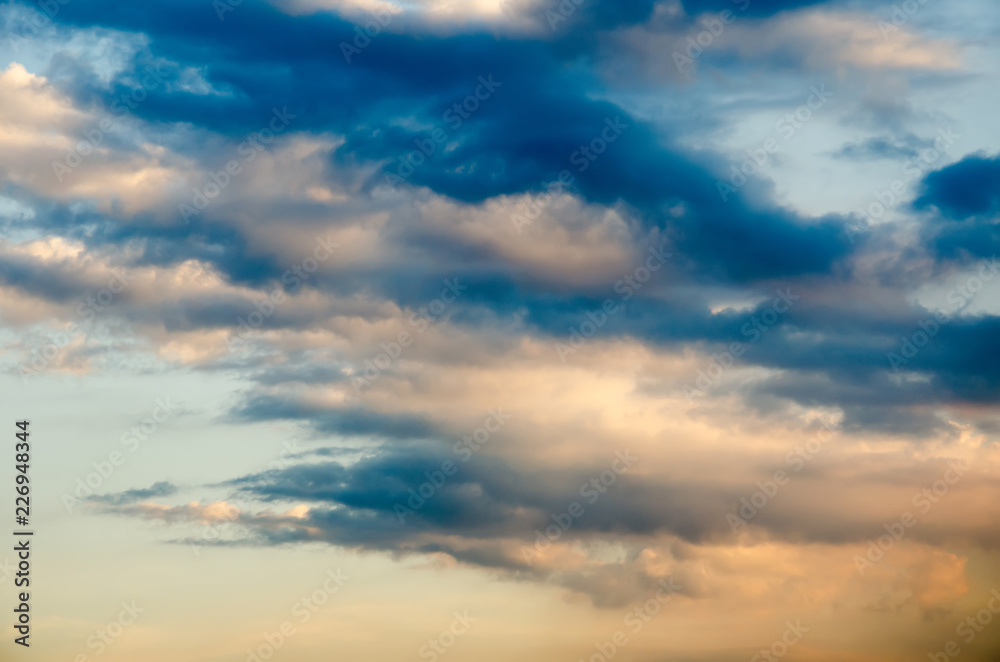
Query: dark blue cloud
{"points": [[533, 126], [536, 125], [376, 503], [962, 190], [351, 421], [964, 199]]}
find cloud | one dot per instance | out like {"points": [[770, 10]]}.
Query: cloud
{"points": [[879, 148], [823, 40], [962, 202], [964, 189], [640, 158], [490, 514], [160, 489], [810, 40], [205, 514], [43, 150]]}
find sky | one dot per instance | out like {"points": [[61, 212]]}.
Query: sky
{"points": [[654, 331]]}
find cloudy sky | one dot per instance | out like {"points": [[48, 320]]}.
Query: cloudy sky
{"points": [[504, 329]]}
